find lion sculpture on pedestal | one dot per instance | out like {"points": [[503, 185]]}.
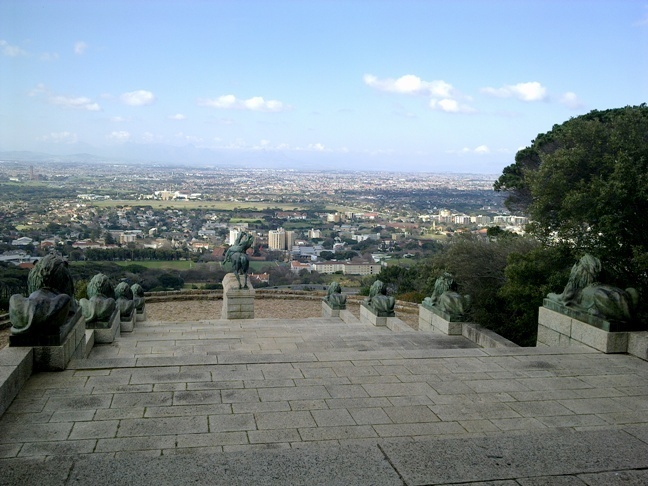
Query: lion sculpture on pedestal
{"points": [[100, 304], [446, 298], [50, 301], [584, 293]]}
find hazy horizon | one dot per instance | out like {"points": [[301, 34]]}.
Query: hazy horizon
{"points": [[425, 86]]}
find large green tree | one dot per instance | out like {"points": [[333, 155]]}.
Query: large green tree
{"points": [[585, 185]]}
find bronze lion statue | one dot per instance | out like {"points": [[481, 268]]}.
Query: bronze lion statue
{"points": [[124, 299], [584, 293], [50, 301], [334, 296], [446, 298], [378, 299], [100, 303]]}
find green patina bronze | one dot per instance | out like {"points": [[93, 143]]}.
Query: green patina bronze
{"points": [[379, 302], [447, 300], [100, 303], [612, 308], [50, 301], [334, 297]]}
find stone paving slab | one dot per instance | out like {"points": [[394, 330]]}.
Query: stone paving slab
{"points": [[570, 459], [357, 386]]}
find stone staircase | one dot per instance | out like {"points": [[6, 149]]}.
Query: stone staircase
{"points": [[326, 401]]}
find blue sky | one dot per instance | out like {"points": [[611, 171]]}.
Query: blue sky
{"points": [[416, 85]]}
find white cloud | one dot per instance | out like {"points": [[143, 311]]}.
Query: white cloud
{"points": [[318, 147], [443, 96], [49, 56], [140, 97], [11, 51], [117, 119], [79, 102], [60, 137], [479, 150], [80, 47], [177, 116], [531, 91], [256, 103], [39, 89], [119, 136], [570, 100], [410, 84]]}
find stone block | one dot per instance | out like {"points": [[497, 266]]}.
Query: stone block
{"points": [[485, 338], [56, 358], [433, 319], [106, 331], [425, 319], [396, 325], [555, 320], [347, 316], [237, 303], [128, 325], [638, 344], [89, 342], [607, 342], [367, 316], [141, 315], [16, 366], [328, 311], [547, 336]]}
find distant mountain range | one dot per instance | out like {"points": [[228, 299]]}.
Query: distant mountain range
{"points": [[190, 155]]}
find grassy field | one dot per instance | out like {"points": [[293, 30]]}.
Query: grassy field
{"points": [[215, 205], [186, 264], [169, 265]]}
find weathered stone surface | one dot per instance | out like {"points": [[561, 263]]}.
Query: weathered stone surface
{"points": [[432, 318], [560, 330], [367, 315], [128, 324], [328, 311], [106, 331], [237, 303]]}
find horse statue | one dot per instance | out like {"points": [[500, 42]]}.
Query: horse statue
{"points": [[237, 256]]}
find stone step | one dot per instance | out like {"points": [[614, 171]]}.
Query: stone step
{"points": [[588, 457]]}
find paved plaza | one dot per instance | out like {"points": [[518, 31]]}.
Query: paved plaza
{"points": [[321, 401]]}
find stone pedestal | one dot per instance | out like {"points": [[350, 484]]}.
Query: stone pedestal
{"points": [[433, 319], [558, 329], [237, 303], [369, 316], [127, 325], [329, 311], [54, 352], [141, 315], [106, 331]]}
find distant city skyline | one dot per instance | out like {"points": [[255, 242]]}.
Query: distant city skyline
{"points": [[431, 86]]}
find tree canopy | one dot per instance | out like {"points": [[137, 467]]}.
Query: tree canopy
{"points": [[584, 184]]}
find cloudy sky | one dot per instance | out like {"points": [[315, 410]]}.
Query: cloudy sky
{"points": [[439, 85]]}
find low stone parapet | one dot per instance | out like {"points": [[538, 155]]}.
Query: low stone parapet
{"points": [[127, 325], [329, 311], [368, 316], [434, 319], [106, 331], [237, 303], [16, 366], [560, 330]]}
